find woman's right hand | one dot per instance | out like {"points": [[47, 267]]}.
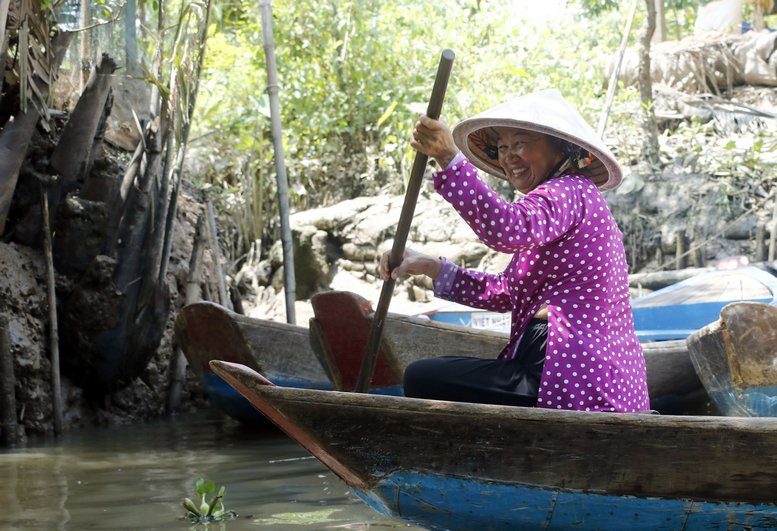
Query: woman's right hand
{"points": [[413, 263], [433, 138]]}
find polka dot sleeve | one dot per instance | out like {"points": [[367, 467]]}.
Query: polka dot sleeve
{"points": [[541, 217]]}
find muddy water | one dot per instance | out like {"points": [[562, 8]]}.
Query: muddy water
{"points": [[136, 477]]}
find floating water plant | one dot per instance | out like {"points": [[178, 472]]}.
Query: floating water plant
{"points": [[208, 510]]}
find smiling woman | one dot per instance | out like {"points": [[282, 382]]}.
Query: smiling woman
{"points": [[527, 158], [572, 340]]}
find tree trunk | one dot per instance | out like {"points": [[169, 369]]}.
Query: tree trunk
{"points": [[108, 349], [650, 145], [71, 157]]}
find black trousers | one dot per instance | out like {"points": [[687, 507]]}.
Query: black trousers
{"points": [[512, 382]]}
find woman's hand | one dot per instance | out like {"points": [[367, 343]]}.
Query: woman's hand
{"points": [[432, 137], [413, 263]]}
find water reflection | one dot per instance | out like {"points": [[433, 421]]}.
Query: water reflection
{"points": [[136, 477]]}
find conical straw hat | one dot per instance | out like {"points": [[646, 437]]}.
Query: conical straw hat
{"points": [[544, 112]]}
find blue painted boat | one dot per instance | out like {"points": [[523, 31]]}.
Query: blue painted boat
{"points": [[206, 331], [460, 466], [673, 312], [736, 359]]}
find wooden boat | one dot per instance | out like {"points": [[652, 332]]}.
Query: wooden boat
{"points": [[736, 359], [206, 331], [342, 321], [341, 327], [673, 312], [447, 465], [678, 310]]}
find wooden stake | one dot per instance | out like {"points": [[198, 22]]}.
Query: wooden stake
{"points": [[681, 261], [56, 391], [759, 253]]}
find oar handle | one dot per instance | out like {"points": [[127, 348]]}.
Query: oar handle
{"points": [[403, 227]]}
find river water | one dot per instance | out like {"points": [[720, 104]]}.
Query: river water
{"points": [[136, 477]]}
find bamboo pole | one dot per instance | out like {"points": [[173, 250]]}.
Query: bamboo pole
{"points": [[9, 427], [56, 391], [289, 281], [403, 227]]}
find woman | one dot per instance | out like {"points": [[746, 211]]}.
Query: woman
{"points": [[572, 341]]}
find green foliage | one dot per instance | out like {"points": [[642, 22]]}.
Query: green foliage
{"points": [[353, 76], [208, 510]]}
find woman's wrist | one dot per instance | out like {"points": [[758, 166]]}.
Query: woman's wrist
{"points": [[434, 266], [445, 160]]}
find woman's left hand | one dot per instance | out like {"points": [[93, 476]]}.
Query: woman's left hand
{"points": [[413, 263]]}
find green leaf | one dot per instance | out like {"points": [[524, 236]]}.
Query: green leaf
{"points": [[204, 487], [189, 505], [387, 113]]}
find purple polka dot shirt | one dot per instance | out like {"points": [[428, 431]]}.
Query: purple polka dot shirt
{"points": [[567, 255]]}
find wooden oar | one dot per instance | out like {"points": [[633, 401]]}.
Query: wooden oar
{"points": [[403, 227]]}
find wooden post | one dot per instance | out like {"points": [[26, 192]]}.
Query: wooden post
{"points": [[696, 250], [9, 427], [773, 234], [56, 392], [759, 253], [681, 261], [193, 294]]}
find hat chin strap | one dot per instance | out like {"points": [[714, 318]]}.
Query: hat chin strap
{"points": [[563, 166]]}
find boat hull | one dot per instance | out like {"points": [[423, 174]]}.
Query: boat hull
{"points": [[490, 505], [206, 331], [736, 359], [477, 466]]}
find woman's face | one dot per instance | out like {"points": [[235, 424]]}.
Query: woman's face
{"points": [[526, 157]]}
